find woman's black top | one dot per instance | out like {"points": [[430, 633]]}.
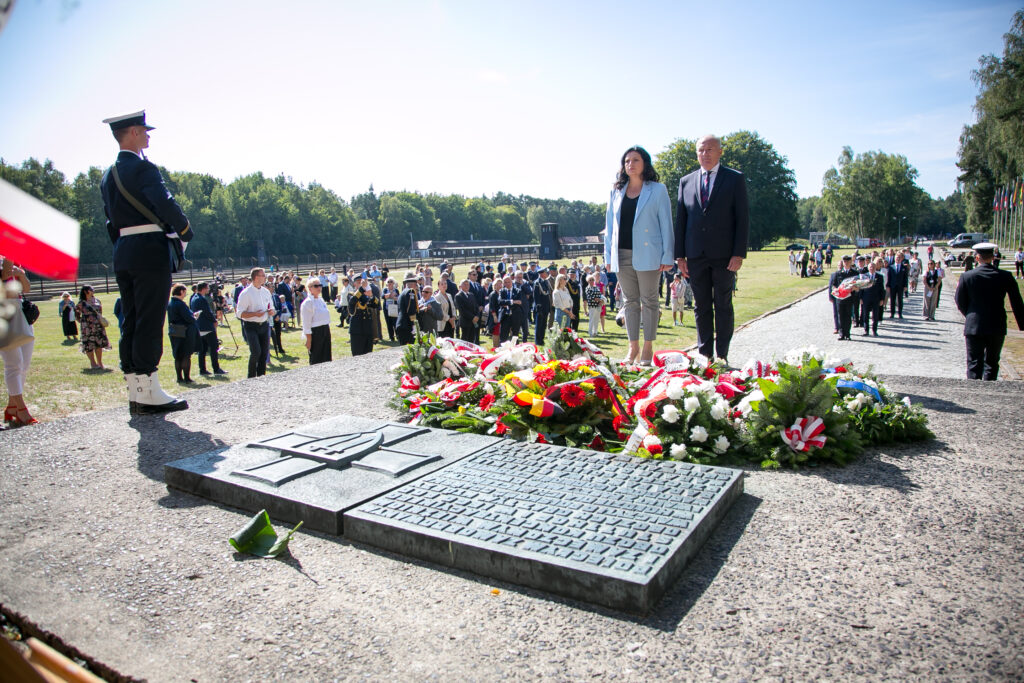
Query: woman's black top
{"points": [[627, 213]]}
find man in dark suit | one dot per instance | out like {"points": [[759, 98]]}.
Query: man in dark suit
{"points": [[407, 309], [148, 230], [898, 278], [711, 230], [526, 297], [842, 309], [465, 304], [541, 306], [871, 301], [207, 322], [980, 296]]}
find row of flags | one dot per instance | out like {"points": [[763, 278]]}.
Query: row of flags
{"points": [[1010, 196]]}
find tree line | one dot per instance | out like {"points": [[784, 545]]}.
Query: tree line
{"points": [[231, 219], [991, 151]]}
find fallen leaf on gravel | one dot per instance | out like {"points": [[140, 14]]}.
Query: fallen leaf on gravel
{"points": [[495, 591]]}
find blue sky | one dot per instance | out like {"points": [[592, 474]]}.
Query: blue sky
{"points": [[538, 98]]}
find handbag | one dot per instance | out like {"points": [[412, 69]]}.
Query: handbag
{"points": [[176, 330], [18, 333], [30, 310], [175, 248], [103, 321]]}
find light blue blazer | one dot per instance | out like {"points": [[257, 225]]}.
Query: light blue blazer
{"points": [[653, 234]]}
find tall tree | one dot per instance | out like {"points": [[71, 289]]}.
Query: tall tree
{"points": [[873, 194], [992, 149]]}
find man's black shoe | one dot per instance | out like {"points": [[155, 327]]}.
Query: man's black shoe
{"points": [[218, 371], [205, 372]]}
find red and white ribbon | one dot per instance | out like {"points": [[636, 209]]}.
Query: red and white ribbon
{"points": [[805, 434]]}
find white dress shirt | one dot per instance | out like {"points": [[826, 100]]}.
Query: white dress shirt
{"points": [[253, 300], [314, 314]]}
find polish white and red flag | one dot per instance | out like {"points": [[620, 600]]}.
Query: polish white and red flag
{"points": [[37, 236]]}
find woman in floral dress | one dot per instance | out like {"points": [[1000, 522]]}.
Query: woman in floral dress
{"points": [[93, 335]]}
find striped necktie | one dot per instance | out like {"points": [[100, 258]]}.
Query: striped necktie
{"points": [[705, 189]]}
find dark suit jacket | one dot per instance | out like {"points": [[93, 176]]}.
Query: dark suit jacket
{"points": [[142, 180], [178, 313], [875, 293], [720, 230], [898, 280], [206, 320], [465, 304], [980, 296]]}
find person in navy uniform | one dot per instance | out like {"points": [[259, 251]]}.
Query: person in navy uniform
{"points": [[842, 309], [146, 253], [362, 305], [407, 309], [207, 321], [980, 296]]}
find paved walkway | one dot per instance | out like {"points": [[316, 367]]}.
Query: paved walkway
{"points": [[911, 346]]}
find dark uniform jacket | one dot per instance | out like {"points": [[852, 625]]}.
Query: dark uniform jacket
{"points": [[837, 278], [178, 313], [206, 320], [542, 294], [980, 297], [142, 180], [361, 308], [407, 309]]}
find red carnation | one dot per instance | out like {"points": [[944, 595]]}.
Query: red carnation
{"points": [[540, 438], [651, 410], [840, 368], [573, 396], [654, 449], [709, 372], [487, 401], [597, 444], [617, 423]]}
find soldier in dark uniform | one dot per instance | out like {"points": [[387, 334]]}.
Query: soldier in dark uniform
{"points": [[842, 309], [526, 299], [362, 306], [871, 301], [148, 230], [980, 296]]}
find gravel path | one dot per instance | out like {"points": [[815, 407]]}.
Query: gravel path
{"points": [[903, 565]]}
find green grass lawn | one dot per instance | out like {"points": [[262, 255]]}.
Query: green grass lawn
{"points": [[60, 382]]}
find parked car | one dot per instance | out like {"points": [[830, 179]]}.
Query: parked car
{"points": [[795, 246], [966, 240]]}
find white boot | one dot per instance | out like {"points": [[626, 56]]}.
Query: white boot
{"points": [[153, 399], [133, 392]]}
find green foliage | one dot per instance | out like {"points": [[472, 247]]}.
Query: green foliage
{"points": [[992, 149], [864, 193], [799, 393], [771, 185]]}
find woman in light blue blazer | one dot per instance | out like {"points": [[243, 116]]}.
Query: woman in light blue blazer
{"points": [[638, 245]]}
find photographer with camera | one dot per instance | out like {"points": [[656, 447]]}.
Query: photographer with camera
{"points": [[362, 307], [207, 322]]}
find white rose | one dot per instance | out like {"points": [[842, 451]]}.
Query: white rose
{"points": [[721, 444], [678, 450], [670, 413], [718, 411], [698, 434], [906, 401], [691, 404]]}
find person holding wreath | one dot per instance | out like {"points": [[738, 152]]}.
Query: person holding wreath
{"points": [[639, 246]]}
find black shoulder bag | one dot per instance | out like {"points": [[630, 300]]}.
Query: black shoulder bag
{"points": [[175, 251]]}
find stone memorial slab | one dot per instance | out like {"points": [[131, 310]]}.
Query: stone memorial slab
{"points": [[395, 463], [336, 450], [605, 529], [280, 470], [320, 496]]}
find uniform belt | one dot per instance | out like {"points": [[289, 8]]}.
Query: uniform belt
{"points": [[144, 229]]}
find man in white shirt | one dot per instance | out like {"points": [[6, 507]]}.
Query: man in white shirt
{"points": [[254, 308]]}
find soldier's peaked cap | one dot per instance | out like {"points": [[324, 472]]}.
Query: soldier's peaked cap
{"points": [[137, 118]]}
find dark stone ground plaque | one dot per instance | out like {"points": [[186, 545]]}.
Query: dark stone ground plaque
{"points": [[319, 487], [610, 530]]}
